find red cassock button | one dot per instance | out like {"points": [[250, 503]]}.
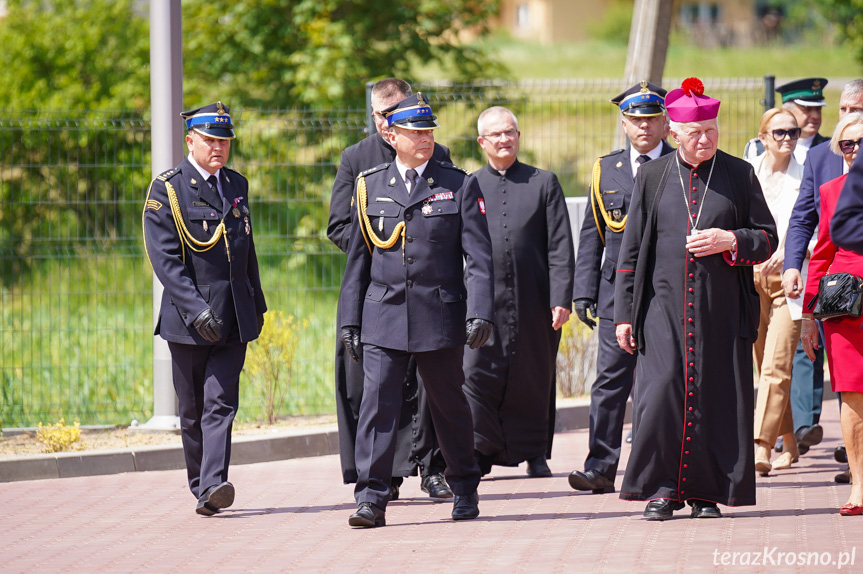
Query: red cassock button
{"points": [[686, 452], [690, 408], [690, 304], [692, 259], [690, 393], [691, 379], [691, 350], [685, 466], [689, 424], [691, 335], [692, 275], [691, 290], [684, 479], [687, 438], [691, 319], [693, 202]]}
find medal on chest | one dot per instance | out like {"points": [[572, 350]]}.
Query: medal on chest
{"points": [[248, 228], [427, 208], [235, 209]]}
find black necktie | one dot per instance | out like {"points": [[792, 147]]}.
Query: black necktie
{"points": [[642, 158], [214, 184], [411, 176]]}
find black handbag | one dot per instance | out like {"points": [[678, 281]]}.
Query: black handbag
{"points": [[839, 295]]}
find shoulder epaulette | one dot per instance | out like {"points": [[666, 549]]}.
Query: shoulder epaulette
{"points": [[615, 152], [448, 165], [233, 170], [166, 175], [374, 169]]}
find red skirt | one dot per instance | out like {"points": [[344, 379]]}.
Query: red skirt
{"points": [[844, 346]]}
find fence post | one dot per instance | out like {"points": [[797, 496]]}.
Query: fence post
{"points": [[370, 121], [166, 96], [769, 100]]}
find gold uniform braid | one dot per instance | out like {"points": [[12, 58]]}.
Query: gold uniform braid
{"points": [[185, 235], [366, 224], [615, 226]]}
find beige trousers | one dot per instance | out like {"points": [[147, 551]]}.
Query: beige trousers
{"points": [[773, 352]]}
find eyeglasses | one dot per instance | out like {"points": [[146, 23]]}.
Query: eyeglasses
{"points": [[793, 133], [508, 134], [848, 146]]}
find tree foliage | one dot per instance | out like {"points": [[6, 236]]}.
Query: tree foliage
{"points": [[847, 15], [277, 53], [74, 55]]}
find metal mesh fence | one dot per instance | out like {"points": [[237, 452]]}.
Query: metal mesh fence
{"points": [[75, 285]]}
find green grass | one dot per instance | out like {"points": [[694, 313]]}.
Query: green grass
{"points": [[595, 59], [77, 340]]}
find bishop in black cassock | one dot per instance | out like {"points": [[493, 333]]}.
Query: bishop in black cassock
{"points": [[686, 303]]}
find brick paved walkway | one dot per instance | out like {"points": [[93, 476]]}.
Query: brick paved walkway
{"points": [[292, 516]]}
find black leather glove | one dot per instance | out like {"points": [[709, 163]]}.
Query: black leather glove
{"points": [[478, 331], [351, 339], [208, 325], [582, 306], [260, 323]]}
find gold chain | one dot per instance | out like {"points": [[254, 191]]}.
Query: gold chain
{"points": [[186, 236], [366, 224], [616, 227]]}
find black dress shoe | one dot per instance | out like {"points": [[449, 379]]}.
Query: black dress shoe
{"points": [[840, 454], [780, 444], [810, 436], [435, 486], [368, 516], [465, 507], [661, 509], [537, 467], [592, 480], [215, 498], [704, 509], [394, 492], [843, 477]]}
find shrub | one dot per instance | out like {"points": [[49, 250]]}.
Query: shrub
{"points": [[576, 359], [271, 359], [59, 436]]}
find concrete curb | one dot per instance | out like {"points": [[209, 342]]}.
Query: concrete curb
{"points": [[248, 449]]}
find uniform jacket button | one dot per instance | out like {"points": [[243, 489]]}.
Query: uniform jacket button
{"points": [[408, 216]]}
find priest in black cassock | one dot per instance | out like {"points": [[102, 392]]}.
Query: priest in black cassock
{"points": [[510, 382], [685, 301]]}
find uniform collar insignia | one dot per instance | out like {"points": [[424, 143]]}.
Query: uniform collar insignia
{"points": [[193, 181], [393, 181]]}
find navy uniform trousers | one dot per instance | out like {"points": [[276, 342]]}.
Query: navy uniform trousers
{"points": [[615, 373], [443, 377], [207, 380]]}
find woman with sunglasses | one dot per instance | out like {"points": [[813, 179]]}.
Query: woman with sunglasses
{"points": [[843, 336], [779, 329]]}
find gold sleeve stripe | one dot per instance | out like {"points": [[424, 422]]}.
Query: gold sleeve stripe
{"points": [[154, 205]]}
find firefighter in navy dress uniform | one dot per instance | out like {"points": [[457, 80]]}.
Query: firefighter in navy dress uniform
{"points": [[198, 237], [418, 282], [642, 109]]}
